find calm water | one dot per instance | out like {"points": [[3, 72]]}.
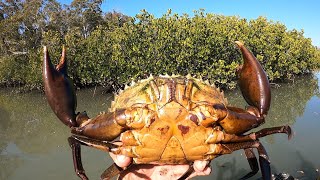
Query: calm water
{"points": [[33, 143]]}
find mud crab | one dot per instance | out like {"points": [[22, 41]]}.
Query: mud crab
{"points": [[169, 119]]}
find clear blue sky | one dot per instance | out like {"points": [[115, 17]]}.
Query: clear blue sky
{"points": [[295, 14]]}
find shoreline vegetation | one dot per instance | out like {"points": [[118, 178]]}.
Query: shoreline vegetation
{"points": [[111, 49]]}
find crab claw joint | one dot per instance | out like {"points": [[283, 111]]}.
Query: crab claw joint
{"points": [[59, 89], [253, 81]]}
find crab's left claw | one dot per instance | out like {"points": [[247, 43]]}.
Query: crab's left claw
{"points": [[59, 89], [253, 82]]}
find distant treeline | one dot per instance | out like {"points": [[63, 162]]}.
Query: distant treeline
{"points": [[111, 49]]}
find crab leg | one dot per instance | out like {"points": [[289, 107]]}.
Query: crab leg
{"points": [[220, 137], [59, 89], [220, 149], [76, 156], [230, 143], [75, 143], [253, 163], [101, 145], [263, 158], [111, 172]]}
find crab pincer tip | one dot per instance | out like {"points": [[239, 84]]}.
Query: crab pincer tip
{"points": [[289, 132], [239, 43], [63, 48]]}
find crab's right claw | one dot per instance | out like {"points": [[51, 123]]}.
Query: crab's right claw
{"points": [[255, 88], [253, 82], [59, 89]]}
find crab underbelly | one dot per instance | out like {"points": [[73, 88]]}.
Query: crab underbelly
{"points": [[171, 139], [172, 153], [178, 144]]}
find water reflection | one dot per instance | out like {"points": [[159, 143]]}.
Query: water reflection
{"points": [[30, 132], [34, 145]]}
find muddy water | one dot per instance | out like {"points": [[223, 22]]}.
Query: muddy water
{"points": [[33, 143]]}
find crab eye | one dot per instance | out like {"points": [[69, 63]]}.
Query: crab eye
{"points": [[219, 106]]}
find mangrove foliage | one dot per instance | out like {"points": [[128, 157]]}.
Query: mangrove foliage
{"points": [[111, 49]]}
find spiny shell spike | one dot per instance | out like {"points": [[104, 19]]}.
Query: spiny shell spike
{"points": [[222, 93], [112, 103]]}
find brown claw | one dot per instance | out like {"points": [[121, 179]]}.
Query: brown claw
{"points": [[253, 81], [59, 89]]}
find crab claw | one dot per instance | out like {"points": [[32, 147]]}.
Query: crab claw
{"points": [[253, 82], [59, 89]]}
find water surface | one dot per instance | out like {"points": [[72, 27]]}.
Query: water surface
{"points": [[33, 143]]}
